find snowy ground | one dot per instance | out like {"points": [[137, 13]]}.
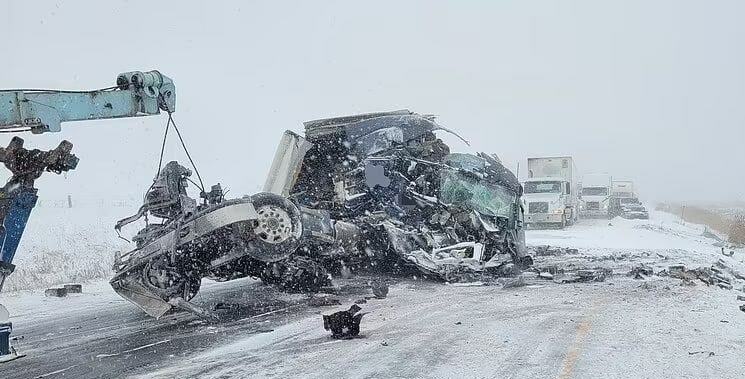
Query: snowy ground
{"points": [[62, 245], [619, 328]]}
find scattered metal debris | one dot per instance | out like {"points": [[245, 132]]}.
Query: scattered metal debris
{"points": [[639, 271], [588, 275], [344, 324], [708, 275], [740, 298], [360, 301], [544, 250]]}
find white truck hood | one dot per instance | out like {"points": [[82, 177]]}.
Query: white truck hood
{"points": [[549, 197]]}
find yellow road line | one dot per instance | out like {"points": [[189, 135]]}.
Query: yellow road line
{"points": [[570, 359]]}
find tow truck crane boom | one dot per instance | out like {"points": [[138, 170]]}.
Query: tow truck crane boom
{"points": [[39, 111]]}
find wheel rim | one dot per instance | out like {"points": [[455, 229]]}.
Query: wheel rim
{"points": [[274, 224]]}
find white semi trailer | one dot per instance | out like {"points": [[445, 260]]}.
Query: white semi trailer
{"points": [[595, 195], [551, 192], [623, 188], [622, 193]]}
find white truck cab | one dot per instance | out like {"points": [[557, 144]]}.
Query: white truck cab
{"points": [[551, 192], [595, 196]]}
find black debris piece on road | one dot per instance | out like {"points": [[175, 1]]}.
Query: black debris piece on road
{"points": [[344, 324], [640, 271]]}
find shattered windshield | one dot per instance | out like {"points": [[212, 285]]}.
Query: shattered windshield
{"points": [[594, 191], [460, 189], [542, 187]]}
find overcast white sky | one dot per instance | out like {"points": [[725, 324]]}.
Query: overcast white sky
{"points": [[652, 91]]}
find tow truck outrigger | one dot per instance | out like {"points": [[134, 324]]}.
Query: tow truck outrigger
{"points": [[40, 111]]}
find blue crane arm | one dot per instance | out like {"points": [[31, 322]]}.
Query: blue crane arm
{"points": [[40, 111]]}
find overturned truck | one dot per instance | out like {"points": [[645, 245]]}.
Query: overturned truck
{"points": [[375, 191]]}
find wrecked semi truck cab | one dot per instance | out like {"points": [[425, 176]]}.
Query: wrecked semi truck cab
{"points": [[378, 190], [551, 192], [595, 196], [382, 191], [183, 242]]}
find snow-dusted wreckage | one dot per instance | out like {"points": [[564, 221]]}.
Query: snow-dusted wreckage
{"points": [[401, 198], [375, 191]]}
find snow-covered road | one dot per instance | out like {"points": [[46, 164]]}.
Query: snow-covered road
{"points": [[619, 328]]}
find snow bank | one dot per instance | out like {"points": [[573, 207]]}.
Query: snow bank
{"points": [[63, 245]]}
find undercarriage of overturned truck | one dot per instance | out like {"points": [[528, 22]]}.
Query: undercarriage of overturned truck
{"points": [[377, 192]]}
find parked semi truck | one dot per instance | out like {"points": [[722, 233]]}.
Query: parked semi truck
{"points": [[595, 195], [623, 188], [550, 192], [622, 193]]}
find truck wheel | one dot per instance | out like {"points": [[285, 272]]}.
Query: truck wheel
{"points": [[277, 230]]}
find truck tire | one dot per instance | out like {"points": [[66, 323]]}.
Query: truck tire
{"points": [[278, 229]]}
